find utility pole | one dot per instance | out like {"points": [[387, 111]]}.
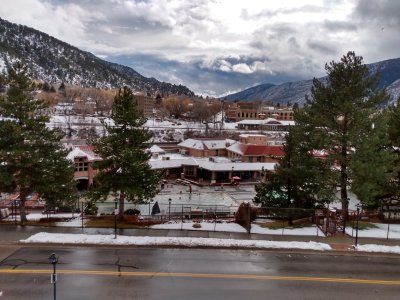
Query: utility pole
{"points": [[54, 260]]}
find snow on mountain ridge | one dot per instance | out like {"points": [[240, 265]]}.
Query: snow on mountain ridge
{"points": [[52, 60]]}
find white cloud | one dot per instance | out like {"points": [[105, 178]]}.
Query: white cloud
{"points": [[297, 36]]}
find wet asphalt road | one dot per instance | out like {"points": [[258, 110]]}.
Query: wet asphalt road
{"points": [[126, 273]]}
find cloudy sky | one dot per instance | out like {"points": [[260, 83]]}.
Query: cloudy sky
{"points": [[219, 46]]}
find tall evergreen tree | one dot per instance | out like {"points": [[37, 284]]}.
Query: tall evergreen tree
{"points": [[336, 117], [31, 156], [124, 168], [394, 138], [375, 164], [299, 180]]}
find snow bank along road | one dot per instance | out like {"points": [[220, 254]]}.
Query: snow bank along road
{"points": [[59, 238]]}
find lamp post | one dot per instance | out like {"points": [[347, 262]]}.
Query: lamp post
{"points": [[358, 212], [54, 260], [222, 115], [262, 174], [115, 217], [169, 208]]}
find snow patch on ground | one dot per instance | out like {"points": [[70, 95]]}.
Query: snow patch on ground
{"points": [[205, 226], [381, 231], [234, 227], [57, 238], [378, 248], [309, 231]]}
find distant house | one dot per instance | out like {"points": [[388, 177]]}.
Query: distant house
{"points": [[156, 151], [269, 124], [254, 148], [205, 147], [83, 157], [253, 111], [204, 161]]}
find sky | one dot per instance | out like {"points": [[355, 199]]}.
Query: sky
{"points": [[216, 47]]}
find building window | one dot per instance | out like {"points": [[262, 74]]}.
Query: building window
{"points": [[81, 165], [174, 171], [189, 171]]}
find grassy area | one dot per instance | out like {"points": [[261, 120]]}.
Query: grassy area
{"points": [[280, 223], [109, 223], [362, 225]]}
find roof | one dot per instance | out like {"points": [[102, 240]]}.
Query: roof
{"points": [[83, 151], [156, 149], [206, 144], [246, 135], [210, 165], [257, 150], [267, 121]]}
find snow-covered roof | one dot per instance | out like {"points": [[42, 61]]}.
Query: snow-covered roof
{"points": [[222, 165], [236, 148], [266, 121], [156, 149], [206, 144], [82, 151], [237, 166], [252, 122], [287, 122], [246, 135], [191, 162], [166, 164], [218, 144], [192, 143]]}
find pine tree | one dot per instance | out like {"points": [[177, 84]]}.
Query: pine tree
{"points": [[299, 180], [394, 138], [336, 117], [31, 158], [375, 164], [124, 168]]}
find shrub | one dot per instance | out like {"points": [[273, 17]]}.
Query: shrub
{"points": [[132, 212]]}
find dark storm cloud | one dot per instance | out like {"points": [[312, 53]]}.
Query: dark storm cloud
{"points": [[383, 12], [322, 46], [339, 25], [215, 46], [193, 74]]}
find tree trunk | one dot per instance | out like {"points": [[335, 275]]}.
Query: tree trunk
{"points": [[343, 187], [22, 211], [121, 206]]}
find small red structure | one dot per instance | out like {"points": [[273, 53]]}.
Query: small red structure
{"points": [[235, 180]]}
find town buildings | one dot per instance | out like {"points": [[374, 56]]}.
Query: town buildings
{"points": [[198, 161], [256, 111]]}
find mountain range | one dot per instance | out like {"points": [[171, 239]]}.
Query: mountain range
{"points": [[55, 61], [294, 92]]}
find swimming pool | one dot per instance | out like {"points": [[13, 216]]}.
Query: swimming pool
{"points": [[179, 202]]}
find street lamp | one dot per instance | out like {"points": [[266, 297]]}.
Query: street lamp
{"points": [[262, 174], [169, 208], [222, 115], [357, 216], [54, 260], [115, 217]]}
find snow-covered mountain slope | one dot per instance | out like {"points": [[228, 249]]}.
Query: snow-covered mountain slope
{"points": [[52, 60], [294, 92]]}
